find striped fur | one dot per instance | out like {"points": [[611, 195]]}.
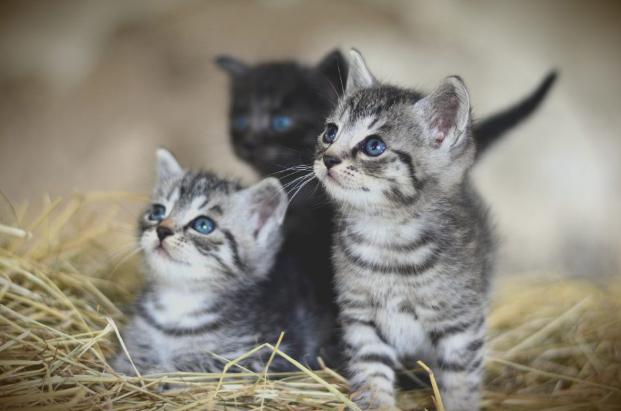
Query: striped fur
{"points": [[214, 296], [413, 249]]}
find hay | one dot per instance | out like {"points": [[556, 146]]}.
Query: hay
{"points": [[554, 344]]}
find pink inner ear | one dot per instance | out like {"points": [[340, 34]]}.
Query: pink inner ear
{"points": [[439, 138], [262, 219], [268, 207], [444, 119]]}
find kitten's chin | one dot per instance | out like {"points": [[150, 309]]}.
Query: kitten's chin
{"points": [[161, 264], [165, 268], [338, 193], [165, 256], [349, 197]]}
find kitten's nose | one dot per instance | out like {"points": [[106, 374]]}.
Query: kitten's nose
{"points": [[163, 232], [331, 161], [250, 145]]}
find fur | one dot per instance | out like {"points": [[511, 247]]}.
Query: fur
{"points": [[217, 292], [413, 246]]}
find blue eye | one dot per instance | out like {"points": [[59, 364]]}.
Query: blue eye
{"points": [[203, 225], [158, 212], [374, 147], [240, 123], [281, 123], [330, 134]]}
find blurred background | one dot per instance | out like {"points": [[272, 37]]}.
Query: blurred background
{"points": [[90, 88]]}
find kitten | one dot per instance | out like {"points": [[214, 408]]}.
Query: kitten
{"points": [[209, 246], [277, 110], [413, 250]]}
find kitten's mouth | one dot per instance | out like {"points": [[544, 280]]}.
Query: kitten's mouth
{"points": [[326, 176], [330, 177], [163, 252]]}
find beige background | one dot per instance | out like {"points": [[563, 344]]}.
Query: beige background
{"points": [[90, 88]]}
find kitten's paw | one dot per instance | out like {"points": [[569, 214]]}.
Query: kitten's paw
{"points": [[157, 372], [120, 365], [374, 400]]}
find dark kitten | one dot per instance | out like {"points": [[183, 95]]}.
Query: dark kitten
{"points": [[276, 113], [278, 109]]}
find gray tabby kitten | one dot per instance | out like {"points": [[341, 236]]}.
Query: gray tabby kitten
{"points": [[208, 247], [413, 247]]}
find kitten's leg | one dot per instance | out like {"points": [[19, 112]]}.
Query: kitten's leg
{"points": [[142, 357], [140, 347], [120, 364], [460, 360], [197, 361], [370, 363]]}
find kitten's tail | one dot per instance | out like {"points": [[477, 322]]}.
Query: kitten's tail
{"points": [[490, 129]]}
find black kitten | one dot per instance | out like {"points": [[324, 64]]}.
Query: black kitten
{"points": [[277, 112], [278, 109]]}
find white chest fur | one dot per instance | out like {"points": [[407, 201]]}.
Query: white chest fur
{"points": [[181, 309]]}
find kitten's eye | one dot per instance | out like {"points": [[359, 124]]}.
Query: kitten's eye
{"points": [[281, 123], [203, 225], [374, 147], [158, 212], [330, 134], [240, 123]]}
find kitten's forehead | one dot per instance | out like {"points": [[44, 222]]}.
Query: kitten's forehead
{"points": [[353, 131], [196, 190], [372, 111], [271, 80], [375, 102]]}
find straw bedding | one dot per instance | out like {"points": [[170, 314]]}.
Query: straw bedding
{"points": [[554, 344]]}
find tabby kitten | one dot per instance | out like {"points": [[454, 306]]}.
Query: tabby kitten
{"points": [[209, 246], [413, 249]]}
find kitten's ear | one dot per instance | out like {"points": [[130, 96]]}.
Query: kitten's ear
{"points": [[359, 76], [334, 68], [232, 65], [268, 204], [446, 112], [167, 166]]}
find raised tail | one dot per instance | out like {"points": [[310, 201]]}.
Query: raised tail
{"points": [[490, 129]]}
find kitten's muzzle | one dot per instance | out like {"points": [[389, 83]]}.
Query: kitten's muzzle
{"points": [[331, 161], [250, 145], [163, 232]]}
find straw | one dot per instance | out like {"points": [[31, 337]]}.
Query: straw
{"points": [[553, 343]]}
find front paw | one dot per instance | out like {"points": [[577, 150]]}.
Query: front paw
{"points": [[155, 375], [370, 399]]}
